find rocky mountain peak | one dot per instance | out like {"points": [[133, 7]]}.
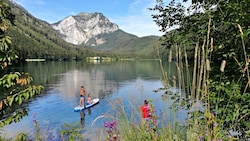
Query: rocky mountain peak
{"points": [[79, 29]]}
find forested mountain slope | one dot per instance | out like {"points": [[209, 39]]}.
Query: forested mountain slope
{"points": [[34, 38]]}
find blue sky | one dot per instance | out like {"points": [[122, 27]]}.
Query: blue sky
{"points": [[131, 16]]}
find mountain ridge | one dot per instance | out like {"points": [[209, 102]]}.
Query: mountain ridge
{"points": [[78, 29], [36, 38], [102, 34]]}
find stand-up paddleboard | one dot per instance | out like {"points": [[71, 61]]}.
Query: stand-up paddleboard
{"points": [[78, 108]]}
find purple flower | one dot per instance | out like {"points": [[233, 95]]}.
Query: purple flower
{"points": [[109, 131], [110, 124], [106, 124]]}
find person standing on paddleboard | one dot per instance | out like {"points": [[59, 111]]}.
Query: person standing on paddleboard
{"points": [[82, 96]]}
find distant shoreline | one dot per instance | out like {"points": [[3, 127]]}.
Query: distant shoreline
{"points": [[32, 60]]}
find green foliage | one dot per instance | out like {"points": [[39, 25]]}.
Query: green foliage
{"points": [[231, 107], [21, 137], [71, 132], [33, 38], [14, 117], [6, 19], [219, 31], [224, 32], [15, 87]]}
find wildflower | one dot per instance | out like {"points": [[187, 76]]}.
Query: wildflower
{"points": [[111, 130], [201, 138], [106, 124], [110, 124]]}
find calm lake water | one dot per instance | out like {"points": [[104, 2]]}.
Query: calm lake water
{"points": [[128, 81]]}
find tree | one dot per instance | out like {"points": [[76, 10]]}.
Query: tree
{"points": [[223, 28], [15, 87], [229, 30]]}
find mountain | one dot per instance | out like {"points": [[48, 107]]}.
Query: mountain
{"points": [[74, 37], [120, 41], [81, 28], [95, 30], [34, 38]]}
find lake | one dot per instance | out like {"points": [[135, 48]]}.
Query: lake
{"points": [[128, 81]]}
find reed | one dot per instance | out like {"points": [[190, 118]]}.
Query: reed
{"points": [[133, 127], [201, 123]]}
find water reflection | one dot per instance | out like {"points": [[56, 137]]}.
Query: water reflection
{"points": [[130, 81], [49, 72], [93, 81], [89, 111], [82, 118]]}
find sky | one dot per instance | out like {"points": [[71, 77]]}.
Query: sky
{"points": [[132, 16]]}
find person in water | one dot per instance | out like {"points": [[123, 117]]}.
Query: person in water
{"points": [[89, 100], [82, 96], [147, 117], [145, 110]]}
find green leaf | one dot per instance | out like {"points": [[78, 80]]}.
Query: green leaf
{"points": [[11, 99], [20, 100], [26, 96]]}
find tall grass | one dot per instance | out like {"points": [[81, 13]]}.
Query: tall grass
{"points": [[202, 122], [130, 127]]}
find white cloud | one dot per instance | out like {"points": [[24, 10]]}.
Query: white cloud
{"points": [[138, 25], [138, 21]]}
